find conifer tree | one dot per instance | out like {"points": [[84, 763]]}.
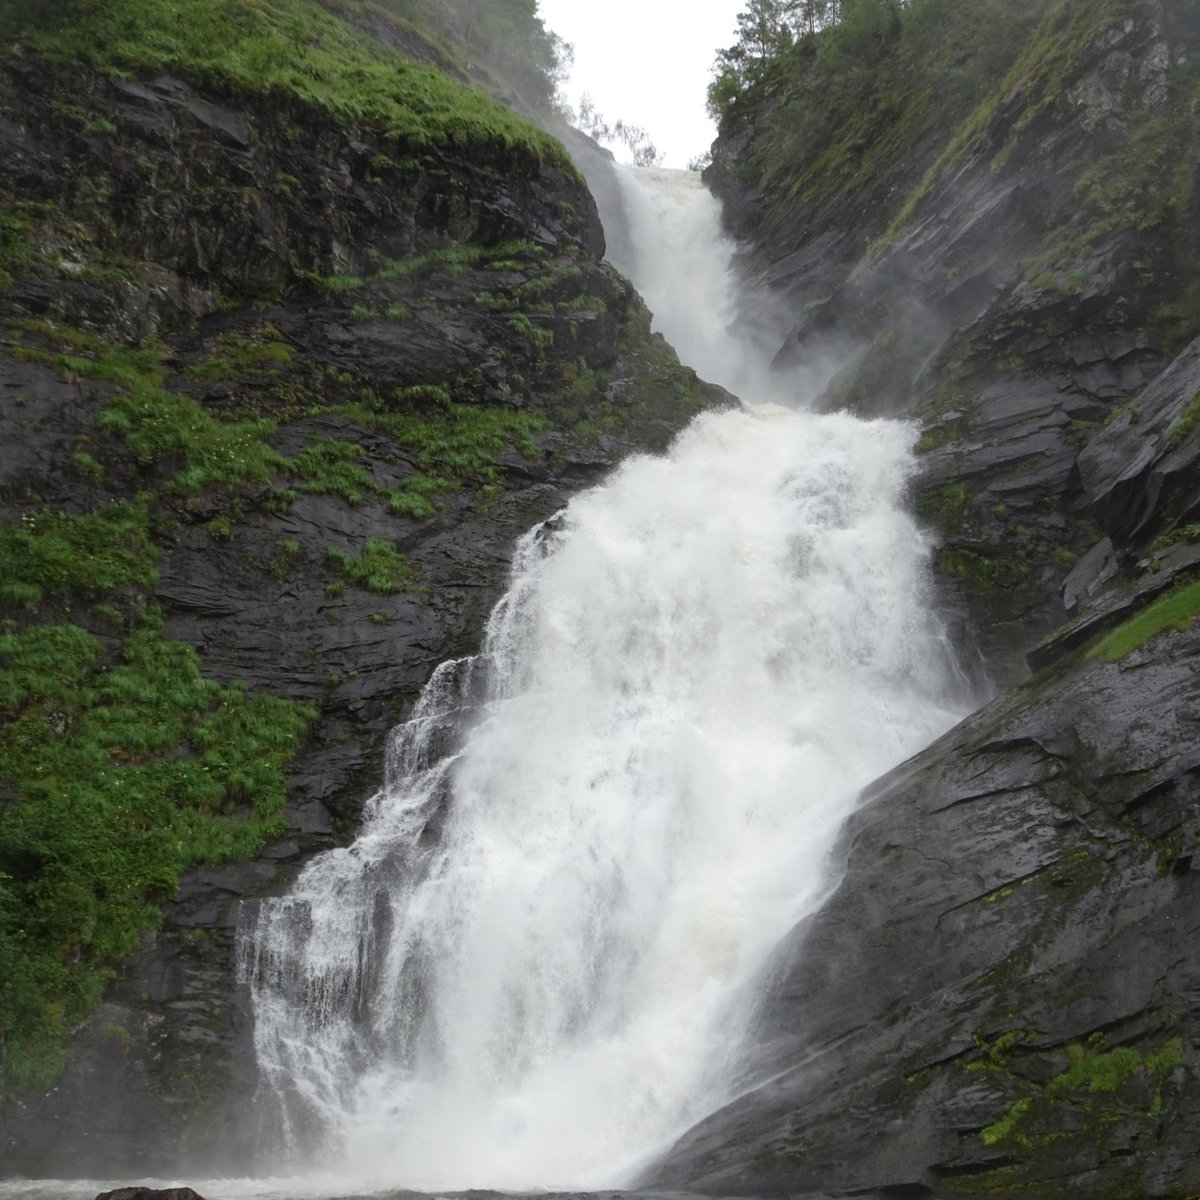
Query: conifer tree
{"points": [[765, 28]]}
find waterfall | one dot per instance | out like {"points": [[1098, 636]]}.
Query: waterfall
{"points": [[534, 966]]}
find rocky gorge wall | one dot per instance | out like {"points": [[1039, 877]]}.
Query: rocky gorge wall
{"points": [[281, 385], [1001, 997], [999, 241]]}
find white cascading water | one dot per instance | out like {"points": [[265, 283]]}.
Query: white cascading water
{"points": [[533, 967]]}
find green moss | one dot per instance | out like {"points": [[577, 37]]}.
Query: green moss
{"points": [[119, 774], [14, 247], [1007, 1125], [380, 568], [995, 1053], [1184, 533], [85, 555], [982, 570], [295, 49], [1088, 1086], [100, 125], [1105, 1071], [946, 506], [1186, 421], [239, 357], [1176, 610], [943, 433]]}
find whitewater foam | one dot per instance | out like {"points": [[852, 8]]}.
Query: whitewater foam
{"points": [[535, 965]]}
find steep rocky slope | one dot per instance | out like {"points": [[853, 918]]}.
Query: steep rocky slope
{"points": [[1001, 996], [993, 226], [285, 370]]}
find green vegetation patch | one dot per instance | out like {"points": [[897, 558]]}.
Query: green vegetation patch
{"points": [[117, 776], [1077, 1103], [1183, 533], [156, 424], [1187, 420], [14, 246], [236, 356], [946, 506], [456, 259], [1090, 1082], [330, 467], [89, 554], [453, 443], [294, 49], [1176, 610], [1048, 55], [848, 101], [380, 568], [980, 569]]}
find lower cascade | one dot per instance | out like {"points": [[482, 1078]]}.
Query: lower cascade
{"points": [[535, 965]]}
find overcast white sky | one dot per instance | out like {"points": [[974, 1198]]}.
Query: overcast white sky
{"points": [[647, 62]]}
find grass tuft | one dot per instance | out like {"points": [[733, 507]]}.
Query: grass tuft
{"points": [[380, 568], [1176, 610], [294, 49], [120, 775]]}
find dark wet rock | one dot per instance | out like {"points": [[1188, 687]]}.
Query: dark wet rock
{"points": [[147, 1193], [1112, 605], [1017, 899], [1143, 470], [1090, 576]]}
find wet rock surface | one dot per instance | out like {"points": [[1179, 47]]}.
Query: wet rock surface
{"points": [[146, 1193], [1000, 996]]}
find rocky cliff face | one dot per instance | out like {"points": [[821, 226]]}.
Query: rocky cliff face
{"points": [[280, 388], [1001, 247], [1000, 998]]}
